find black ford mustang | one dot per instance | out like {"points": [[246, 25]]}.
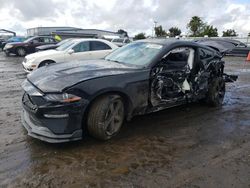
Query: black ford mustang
{"points": [[65, 100]]}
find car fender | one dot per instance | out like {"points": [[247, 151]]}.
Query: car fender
{"points": [[58, 58], [134, 86], [118, 91]]}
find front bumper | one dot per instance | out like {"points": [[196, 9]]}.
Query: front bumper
{"points": [[44, 134], [27, 68], [9, 50], [45, 122]]}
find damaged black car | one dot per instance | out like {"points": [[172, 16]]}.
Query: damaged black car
{"points": [[64, 101]]}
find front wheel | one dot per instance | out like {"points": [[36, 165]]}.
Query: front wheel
{"points": [[21, 52], [105, 117], [216, 92]]}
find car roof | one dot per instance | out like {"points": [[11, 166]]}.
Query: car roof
{"points": [[233, 41], [218, 46], [87, 39], [167, 42], [173, 41], [40, 36]]}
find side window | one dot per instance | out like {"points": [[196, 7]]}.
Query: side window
{"points": [[47, 40], [35, 40], [41, 40], [96, 45], [205, 54], [81, 47], [179, 58]]}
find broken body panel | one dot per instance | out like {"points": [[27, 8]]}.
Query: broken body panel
{"points": [[184, 75]]}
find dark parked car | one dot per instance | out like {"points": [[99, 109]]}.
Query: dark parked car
{"points": [[240, 48], [51, 46], [61, 102], [27, 46]]}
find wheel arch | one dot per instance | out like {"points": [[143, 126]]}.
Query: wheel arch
{"points": [[44, 60], [18, 47], [126, 99]]}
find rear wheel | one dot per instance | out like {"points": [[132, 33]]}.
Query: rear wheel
{"points": [[216, 92], [45, 63], [21, 52], [105, 117]]}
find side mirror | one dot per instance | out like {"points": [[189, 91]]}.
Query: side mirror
{"points": [[71, 51]]}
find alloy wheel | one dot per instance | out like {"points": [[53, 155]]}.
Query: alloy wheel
{"points": [[114, 117], [21, 52]]}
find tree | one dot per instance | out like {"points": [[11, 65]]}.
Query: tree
{"points": [[123, 32], [229, 33], [210, 31], [196, 26], [159, 32], [174, 31], [140, 36]]}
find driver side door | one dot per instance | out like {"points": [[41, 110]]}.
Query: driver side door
{"points": [[170, 78], [34, 43]]}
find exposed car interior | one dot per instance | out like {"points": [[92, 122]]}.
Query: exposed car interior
{"points": [[170, 82]]}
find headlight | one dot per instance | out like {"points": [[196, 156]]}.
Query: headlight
{"points": [[29, 60], [8, 46], [29, 88], [64, 97]]}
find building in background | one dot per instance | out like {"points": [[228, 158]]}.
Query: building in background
{"points": [[72, 32], [45, 30]]}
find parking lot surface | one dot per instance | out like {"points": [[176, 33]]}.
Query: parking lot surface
{"points": [[187, 146]]}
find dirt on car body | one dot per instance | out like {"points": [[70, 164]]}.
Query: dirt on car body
{"points": [[187, 146]]}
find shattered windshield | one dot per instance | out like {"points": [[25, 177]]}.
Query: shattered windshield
{"points": [[138, 53]]}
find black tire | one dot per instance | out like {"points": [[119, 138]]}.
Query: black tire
{"points": [[45, 63], [105, 117], [21, 51], [216, 92]]}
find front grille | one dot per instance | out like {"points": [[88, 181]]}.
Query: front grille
{"points": [[28, 102]]}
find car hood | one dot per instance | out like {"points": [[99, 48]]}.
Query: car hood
{"points": [[44, 53], [221, 45], [16, 43], [60, 76]]}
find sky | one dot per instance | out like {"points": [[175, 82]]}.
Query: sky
{"points": [[134, 16]]}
